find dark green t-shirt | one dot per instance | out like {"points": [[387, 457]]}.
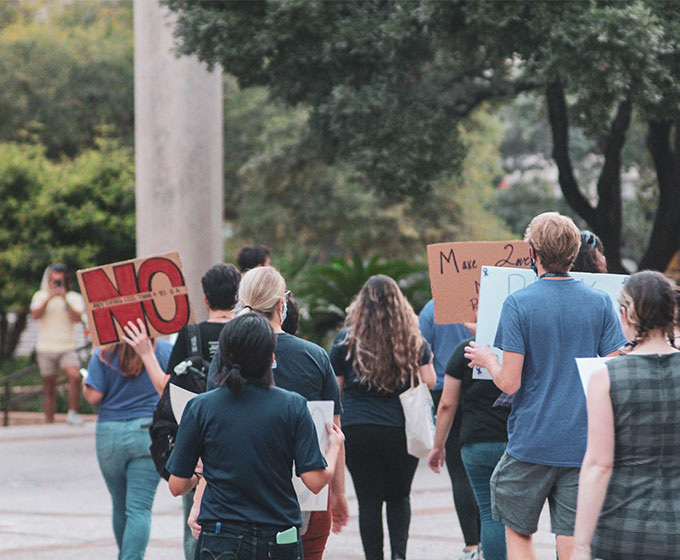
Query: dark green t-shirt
{"points": [[481, 421], [248, 443]]}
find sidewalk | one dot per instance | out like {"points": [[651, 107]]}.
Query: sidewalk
{"points": [[54, 505]]}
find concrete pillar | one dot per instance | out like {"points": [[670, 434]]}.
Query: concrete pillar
{"points": [[178, 150]]}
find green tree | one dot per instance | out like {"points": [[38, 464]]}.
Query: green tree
{"points": [[67, 72], [80, 212], [388, 81]]}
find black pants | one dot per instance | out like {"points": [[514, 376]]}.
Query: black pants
{"points": [[382, 471], [463, 496]]}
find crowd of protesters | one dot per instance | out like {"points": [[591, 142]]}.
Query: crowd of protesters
{"points": [[604, 459]]}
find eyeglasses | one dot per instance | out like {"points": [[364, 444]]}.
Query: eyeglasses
{"points": [[589, 238]]}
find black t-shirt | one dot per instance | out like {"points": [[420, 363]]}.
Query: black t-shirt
{"points": [[482, 422], [210, 334], [299, 366], [362, 404]]}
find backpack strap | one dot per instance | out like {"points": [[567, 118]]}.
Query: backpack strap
{"points": [[194, 346]]}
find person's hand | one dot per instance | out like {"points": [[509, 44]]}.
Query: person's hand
{"points": [[335, 435], [138, 338], [192, 520], [478, 355], [339, 511], [436, 459]]}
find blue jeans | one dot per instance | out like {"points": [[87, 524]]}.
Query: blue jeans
{"points": [[480, 461], [244, 541], [131, 477]]}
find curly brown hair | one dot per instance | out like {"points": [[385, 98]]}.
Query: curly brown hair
{"points": [[383, 338]]}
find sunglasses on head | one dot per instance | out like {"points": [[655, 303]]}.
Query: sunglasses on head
{"points": [[589, 238]]}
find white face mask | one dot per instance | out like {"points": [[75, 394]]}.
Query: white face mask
{"points": [[284, 312]]}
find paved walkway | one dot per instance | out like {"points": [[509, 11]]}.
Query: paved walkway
{"points": [[54, 505]]}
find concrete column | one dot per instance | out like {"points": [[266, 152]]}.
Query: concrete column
{"points": [[178, 150]]}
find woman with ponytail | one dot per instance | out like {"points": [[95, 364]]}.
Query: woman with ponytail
{"points": [[248, 433], [629, 487]]}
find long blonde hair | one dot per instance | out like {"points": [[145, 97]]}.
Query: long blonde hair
{"points": [[383, 338], [261, 290], [129, 362]]}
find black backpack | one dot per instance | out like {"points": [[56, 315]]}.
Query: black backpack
{"points": [[192, 375]]}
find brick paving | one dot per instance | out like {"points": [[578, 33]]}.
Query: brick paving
{"points": [[54, 505]]}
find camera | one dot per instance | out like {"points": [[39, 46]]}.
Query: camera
{"points": [[58, 283]]}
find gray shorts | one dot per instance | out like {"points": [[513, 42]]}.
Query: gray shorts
{"points": [[519, 491], [51, 362]]}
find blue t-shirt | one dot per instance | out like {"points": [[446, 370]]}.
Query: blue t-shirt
{"points": [[299, 366], [362, 404], [552, 322], [248, 443], [442, 339], [125, 398]]}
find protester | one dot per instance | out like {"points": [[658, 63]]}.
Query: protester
{"points": [[127, 393], [629, 488], [374, 357], [57, 310], [252, 256], [248, 433], [483, 439], [542, 328], [220, 289], [304, 368], [590, 256], [443, 339]]}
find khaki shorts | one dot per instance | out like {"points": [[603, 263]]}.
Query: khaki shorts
{"points": [[51, 362]]}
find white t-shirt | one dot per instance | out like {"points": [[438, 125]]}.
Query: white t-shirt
{"points": [[56, 330]]}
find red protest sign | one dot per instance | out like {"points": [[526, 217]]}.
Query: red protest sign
{"points": [[455, 270], [152, 289]]}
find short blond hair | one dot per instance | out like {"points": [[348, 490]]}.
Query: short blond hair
{"points": [[556, 240], [261, 290]]}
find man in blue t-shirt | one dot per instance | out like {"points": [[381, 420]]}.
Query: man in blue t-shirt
{"points": [[542, 329]]}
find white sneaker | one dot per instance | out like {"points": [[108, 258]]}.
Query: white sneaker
{"points": [[73, 418], [474, 554]]}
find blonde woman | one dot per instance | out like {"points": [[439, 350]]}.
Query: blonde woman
{"points": [[127, 388], [304, 368], [374, 357]]}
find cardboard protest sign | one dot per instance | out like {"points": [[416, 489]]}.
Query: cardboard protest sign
{"points": [[497, 283], [322, 414], [153, 289], [455, 270]]}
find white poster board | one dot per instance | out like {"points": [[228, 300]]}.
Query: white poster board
{"points": [[498, 282], [586, 368], [322, 414], [179, 397]]}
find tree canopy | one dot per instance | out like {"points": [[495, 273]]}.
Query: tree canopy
{"points": [[387, 82]]}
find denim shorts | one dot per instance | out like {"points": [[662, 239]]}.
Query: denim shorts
{"points": [[519, 491], [244, 541]]}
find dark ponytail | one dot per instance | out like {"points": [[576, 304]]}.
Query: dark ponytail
{"points": [[246, 347]]}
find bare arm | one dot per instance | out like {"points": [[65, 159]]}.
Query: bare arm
{"points": [[73, 314], [192, 521], [338, 499], [91, 394], [446, 412], [315, 480], [507, 377], [180, 486], [428, 375], [39, 311], [597, 463], [140, 342]]}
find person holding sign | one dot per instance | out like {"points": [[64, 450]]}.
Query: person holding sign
{"points": [[57, 310], [629, 489], [127, 391], [542, 329], [374, 358], [248, 433]]}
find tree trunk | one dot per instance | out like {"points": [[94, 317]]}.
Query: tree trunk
{"points": [[9, 337], [605, 218], [664, 241]]}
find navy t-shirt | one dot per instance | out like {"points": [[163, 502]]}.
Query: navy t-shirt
{"points": [[125, 398], [552, 322], [364, 405], [299, 366], [248, 443]]}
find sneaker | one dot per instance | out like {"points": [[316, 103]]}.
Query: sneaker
{"points": [[73, 418], [474, 554]]}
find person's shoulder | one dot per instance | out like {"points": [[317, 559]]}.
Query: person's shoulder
{"points": [[288, 397], [38, 298], [295, 343], [428, 310], [340, 338]]}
